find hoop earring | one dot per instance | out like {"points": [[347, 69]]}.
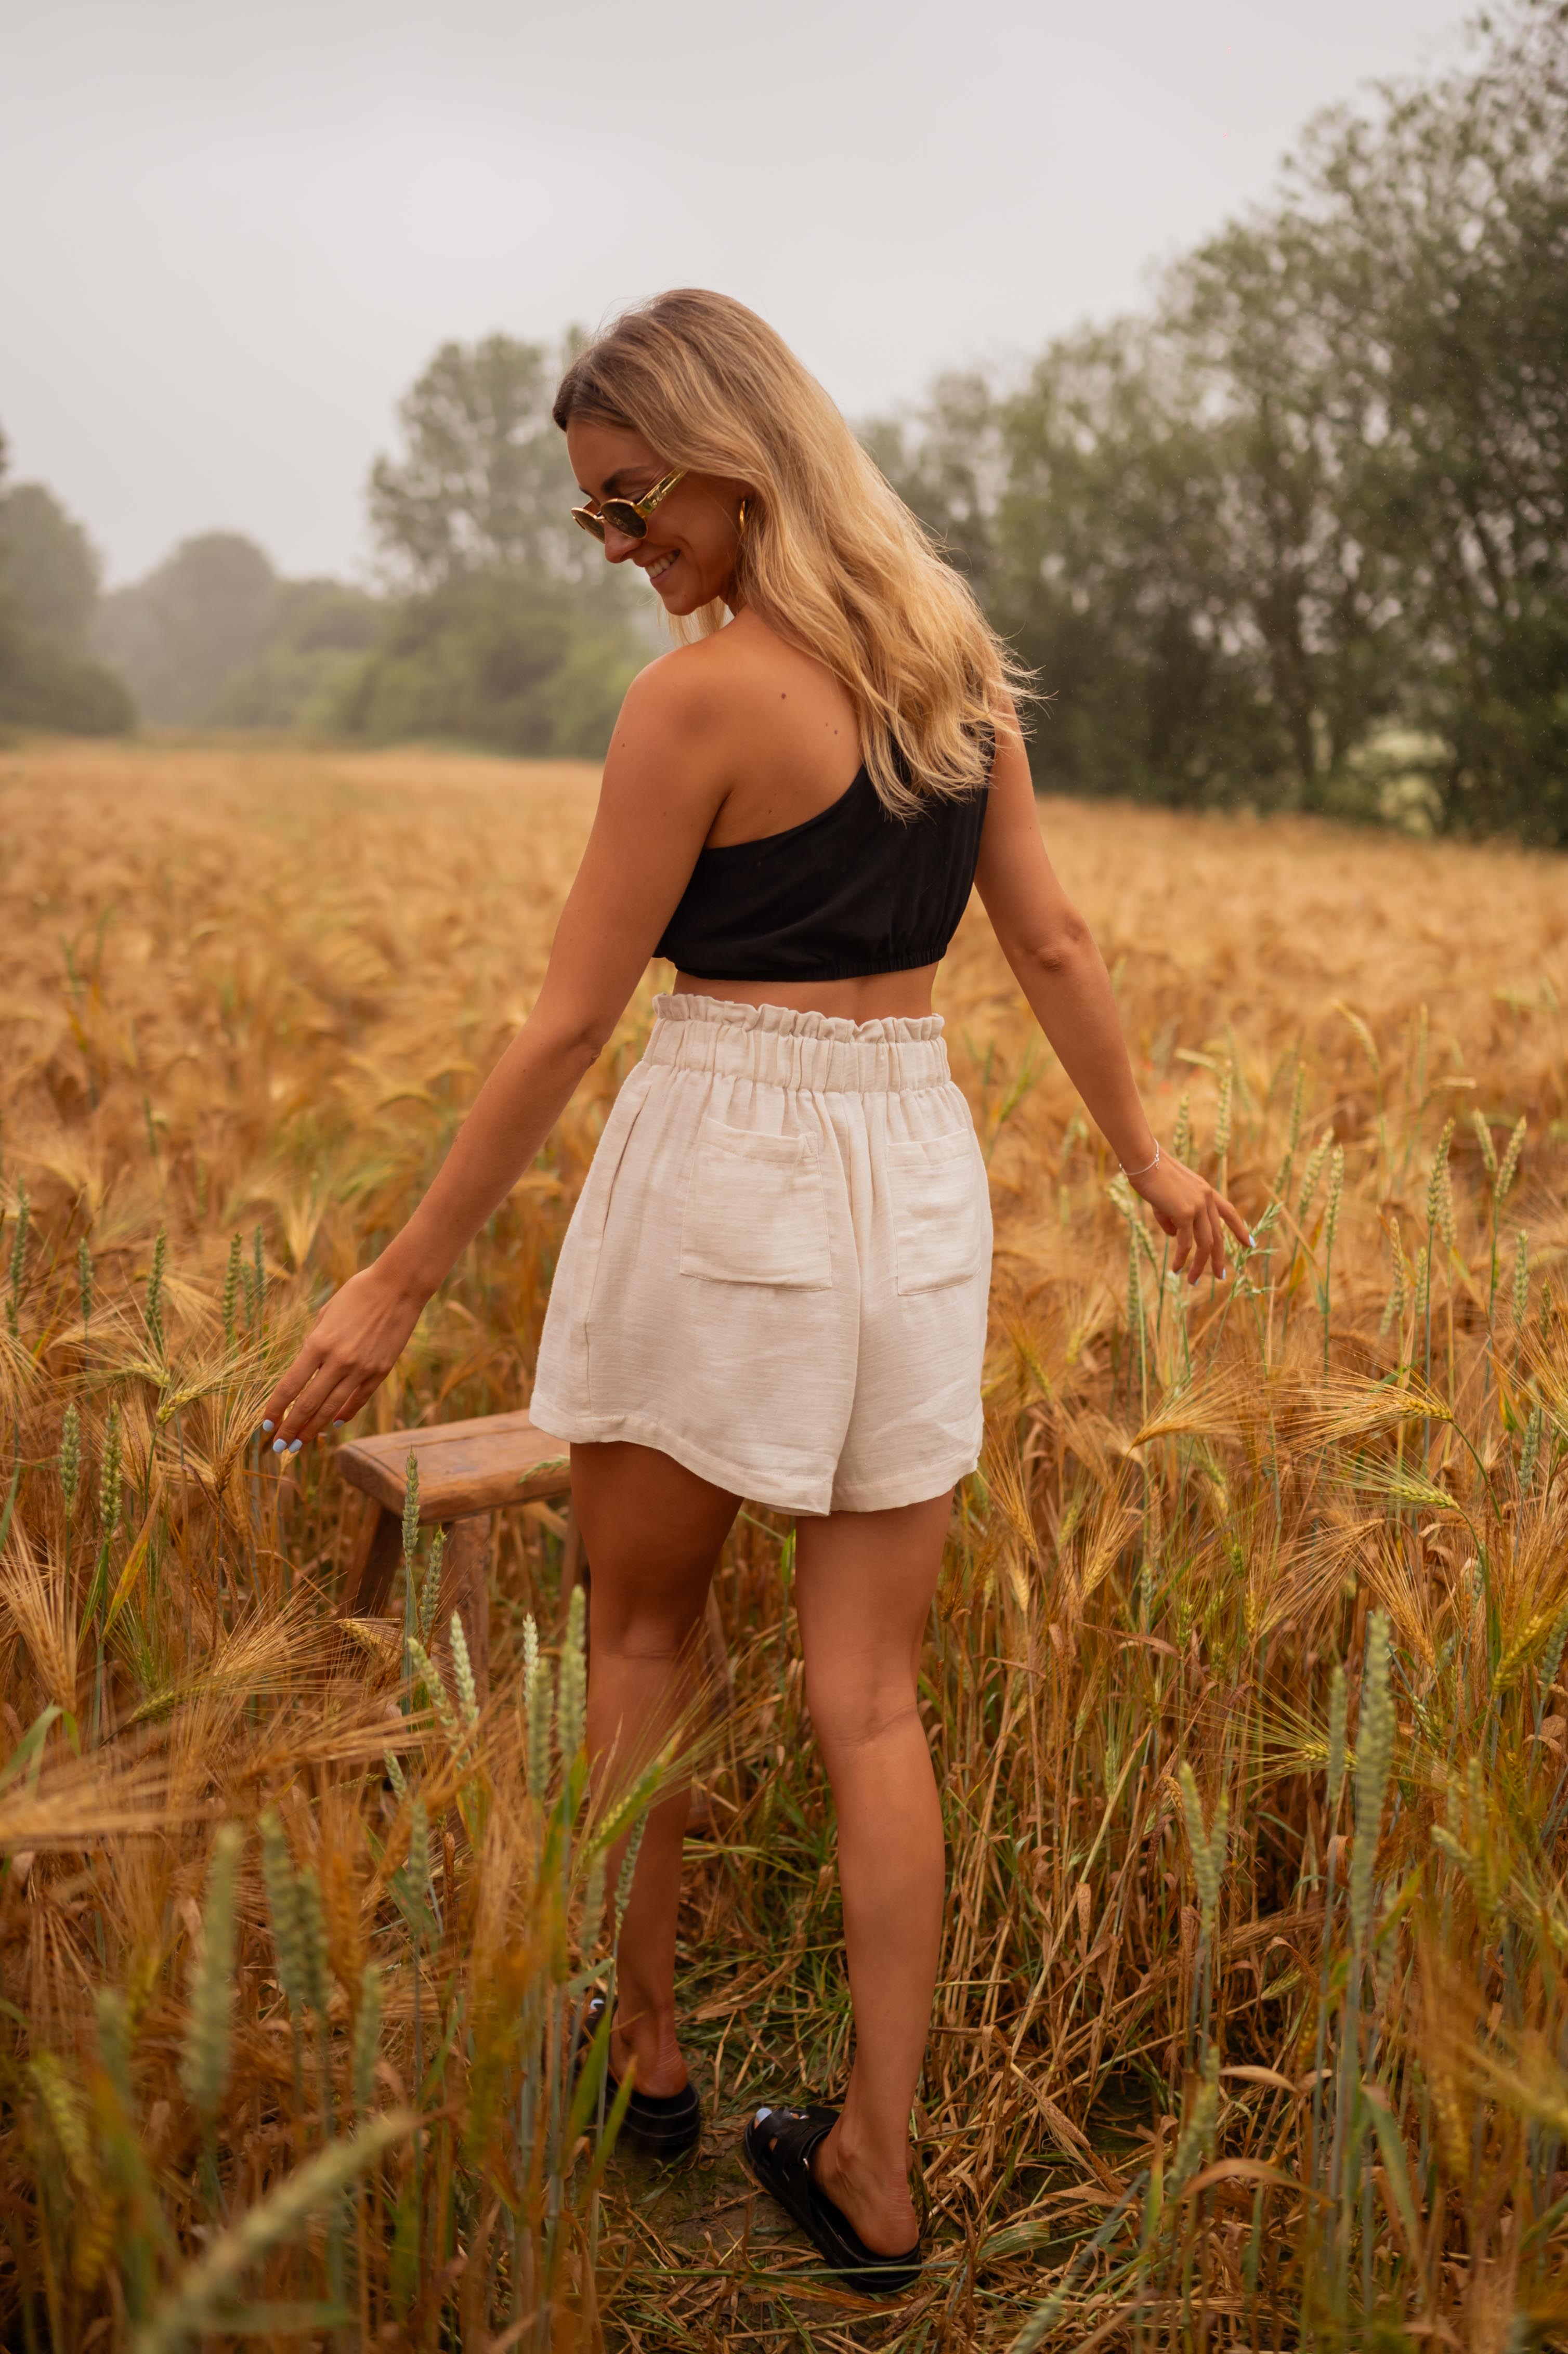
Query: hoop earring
{"points": [[740, 519]]}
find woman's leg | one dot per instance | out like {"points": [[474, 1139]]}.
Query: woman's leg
{"points": [[652, 1532], [864, 1588]]}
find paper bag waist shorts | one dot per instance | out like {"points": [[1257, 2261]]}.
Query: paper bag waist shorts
{"points": [[777, 1270]]}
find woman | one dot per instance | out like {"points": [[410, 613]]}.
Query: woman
{"points": [[774, 1285]]}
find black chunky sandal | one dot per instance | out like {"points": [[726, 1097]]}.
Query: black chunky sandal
{"points": [[779, 2144], [665, 2126]]}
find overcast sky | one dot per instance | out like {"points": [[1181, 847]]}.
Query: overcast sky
{"points": [[230, 235]]}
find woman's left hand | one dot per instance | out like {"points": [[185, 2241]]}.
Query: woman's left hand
{"points": [[1187, 1207]]}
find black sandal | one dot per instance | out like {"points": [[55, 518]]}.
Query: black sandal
{"points": [[779, 2144], [665, 2126]]}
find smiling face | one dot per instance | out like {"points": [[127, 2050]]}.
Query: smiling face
{"points": [[694, 534]]}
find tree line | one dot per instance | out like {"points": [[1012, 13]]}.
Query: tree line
{"points": [[495, 622], [1295, 536], [1299, 535]]}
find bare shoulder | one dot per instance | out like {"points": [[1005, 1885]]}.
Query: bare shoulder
{"points": [[681, 697], [712, 697], [668, 695], [667, 766]]}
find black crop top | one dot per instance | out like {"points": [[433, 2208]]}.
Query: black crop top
{"points": [[853, 890]]}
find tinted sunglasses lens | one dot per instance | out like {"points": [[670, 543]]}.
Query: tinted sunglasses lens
{"points": [[625, 518], [589, 521]]}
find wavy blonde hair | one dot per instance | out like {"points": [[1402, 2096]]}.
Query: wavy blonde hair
{"points": [[830, 558]]}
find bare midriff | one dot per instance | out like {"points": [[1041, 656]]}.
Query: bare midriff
{"points": [[874, 997]]}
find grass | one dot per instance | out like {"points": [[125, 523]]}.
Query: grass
{"points": [[1245, 1681]]}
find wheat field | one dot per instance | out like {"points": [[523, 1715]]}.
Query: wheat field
{"points": [[1245, 1682]]}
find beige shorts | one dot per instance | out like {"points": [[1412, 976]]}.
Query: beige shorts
{"points": [[778, 1267]]}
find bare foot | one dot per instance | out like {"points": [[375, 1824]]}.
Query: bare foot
{"points": [[881, 2210]]}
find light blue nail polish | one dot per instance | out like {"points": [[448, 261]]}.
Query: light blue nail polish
{"points": [[278, 1447], [338, 1424], [268, 1425], [295, 1445]]}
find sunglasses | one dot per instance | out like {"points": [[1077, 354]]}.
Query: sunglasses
{"points": [[628, 515]]}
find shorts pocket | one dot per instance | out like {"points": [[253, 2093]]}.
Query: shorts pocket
{"points": [[756, 1211], [940, 1209]]}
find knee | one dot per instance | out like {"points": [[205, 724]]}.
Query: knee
{"points": [[641, 1629], [853, 1712]]}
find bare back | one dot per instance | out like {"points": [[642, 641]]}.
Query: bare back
{"points": [[785, 737], [785, 744]]}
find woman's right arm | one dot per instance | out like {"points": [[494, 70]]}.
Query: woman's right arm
{"points": [[660, 791]]}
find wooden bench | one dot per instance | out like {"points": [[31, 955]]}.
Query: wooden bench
{"points": [[467, 1471]]}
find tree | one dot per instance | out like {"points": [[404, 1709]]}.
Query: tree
{"points": [[1087, 506], [51, 565], [1443, 237], [46, 562], [179, 635], [1307, 588], [517, 634], [947, 462], [485, 659], [44, 685], [318, 634], [484, 485], [1111, 578]]}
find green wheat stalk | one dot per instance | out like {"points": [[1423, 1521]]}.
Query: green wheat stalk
{"points": [[1375, 1757]]}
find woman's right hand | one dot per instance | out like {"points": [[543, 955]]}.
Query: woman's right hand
{"points": [[352, 1346]]}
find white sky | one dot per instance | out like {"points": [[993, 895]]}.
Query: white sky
{"points": [[231, 235]]}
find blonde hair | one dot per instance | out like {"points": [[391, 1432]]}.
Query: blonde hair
{"points": [[830, 558]]}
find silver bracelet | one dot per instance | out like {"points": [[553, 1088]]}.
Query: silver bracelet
{"points": [[1140, 1172]]}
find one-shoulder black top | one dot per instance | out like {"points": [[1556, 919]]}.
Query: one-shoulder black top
{"points": [[853, 890]]}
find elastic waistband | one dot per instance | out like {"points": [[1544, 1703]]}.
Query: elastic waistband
{"points": [[820, 1053]]}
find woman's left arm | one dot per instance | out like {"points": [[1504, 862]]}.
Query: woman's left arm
{"points": [[1062, 975]]}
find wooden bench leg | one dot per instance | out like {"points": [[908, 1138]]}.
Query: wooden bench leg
{"points": [[465, 1582], [377, 1555], [465, 1588]]}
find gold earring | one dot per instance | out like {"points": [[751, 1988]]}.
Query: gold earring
{"points": [[740, 520]]}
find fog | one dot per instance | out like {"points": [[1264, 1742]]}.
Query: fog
{"points": [[232, 236]]}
